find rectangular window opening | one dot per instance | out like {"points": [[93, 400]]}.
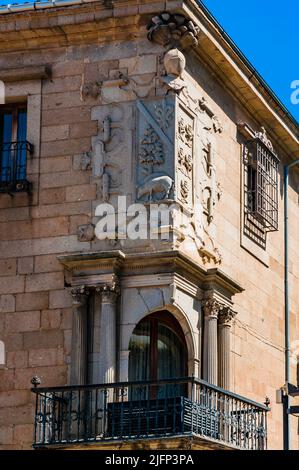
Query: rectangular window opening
{"points": [[14, 148], [261, 184]]}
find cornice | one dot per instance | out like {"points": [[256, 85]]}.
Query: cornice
{"points": [[94, 266]]}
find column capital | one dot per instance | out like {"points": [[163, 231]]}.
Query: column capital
{"points": [[79, 295], [109, 291], [212, 308], [226, 316]]}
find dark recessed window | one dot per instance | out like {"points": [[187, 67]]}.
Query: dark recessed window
{"points": [[14, 148], [157, 349], [261, 184]]}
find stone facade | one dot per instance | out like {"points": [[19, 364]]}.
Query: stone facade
{"points": [[122, 101]]}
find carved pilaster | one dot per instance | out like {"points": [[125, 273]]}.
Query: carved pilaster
{"points": [[79, 335], [225, 321]]}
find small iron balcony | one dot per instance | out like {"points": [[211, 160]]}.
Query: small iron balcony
{"points": [[13, 163], [144, 410]]}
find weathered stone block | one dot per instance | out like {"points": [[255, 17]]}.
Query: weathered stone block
{"points": [[8, 267], [60, 299], [17, 359], [32, 301], [12, 284], [44, 281], [46, 357], [22, 321], [52, 196], [7, 303], [25, 265], [43, 339], [81, 192], [51, 319]]}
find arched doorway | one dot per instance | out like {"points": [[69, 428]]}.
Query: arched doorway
{"points": [[157, 349]]}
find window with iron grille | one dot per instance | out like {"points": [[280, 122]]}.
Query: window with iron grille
{"points": [[261, 182], [14, 148]]}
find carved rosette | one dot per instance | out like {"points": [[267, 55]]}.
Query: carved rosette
{"points": [[79, 295], [175, 31]]}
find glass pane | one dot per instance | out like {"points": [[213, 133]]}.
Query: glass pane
{"points": [[21, 148], [6, 121], [139, 360], [171, 354], [171, 360]]}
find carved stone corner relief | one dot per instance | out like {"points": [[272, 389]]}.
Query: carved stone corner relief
{"points": [[90, 90], [211, 121], [109, 149], [86, 232], [154, 145], [175, 31]]}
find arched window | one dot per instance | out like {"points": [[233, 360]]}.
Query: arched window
{"points": [[157, 349]]}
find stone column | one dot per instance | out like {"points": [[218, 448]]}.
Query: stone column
{"points": [[109, 295], [79, 335], [226, 317], [211, 311]]}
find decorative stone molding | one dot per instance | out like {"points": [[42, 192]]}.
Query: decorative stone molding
{"points": [[86, 232], [173, 30], [262, 135], [215, 123], [79, 295]]}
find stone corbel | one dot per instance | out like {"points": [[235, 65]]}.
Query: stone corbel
{"points": [[173, 30]]}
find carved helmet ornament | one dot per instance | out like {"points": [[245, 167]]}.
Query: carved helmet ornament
{"points": [[175, 31]]}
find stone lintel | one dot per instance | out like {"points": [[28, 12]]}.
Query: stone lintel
{"points": [[18, 74]]}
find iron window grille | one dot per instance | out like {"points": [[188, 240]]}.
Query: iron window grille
{"points": [[261, 183], [13, 159]]}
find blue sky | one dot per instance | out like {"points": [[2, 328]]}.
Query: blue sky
{"points": [[267, 32]]}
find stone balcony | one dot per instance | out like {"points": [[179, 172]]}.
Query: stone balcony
{"points": [[168, 414]]}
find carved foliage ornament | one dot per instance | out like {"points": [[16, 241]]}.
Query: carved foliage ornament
{"points": [[173, 30], [215, 309], [79, 295]]}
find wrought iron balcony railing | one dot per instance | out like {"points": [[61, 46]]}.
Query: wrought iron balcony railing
{"points": [[13, 163], [143, 410]]}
